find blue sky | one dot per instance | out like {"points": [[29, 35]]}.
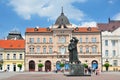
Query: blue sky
{"points": [[20, 14]]}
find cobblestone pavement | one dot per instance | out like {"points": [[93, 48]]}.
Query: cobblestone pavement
{"points": [[57, 76]]}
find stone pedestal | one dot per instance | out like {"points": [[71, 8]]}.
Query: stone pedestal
{"points": [[76, 70]]}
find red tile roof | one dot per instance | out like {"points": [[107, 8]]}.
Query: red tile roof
{"points": [[12, 44], [110, 26], [39, 30], [80, 29], [87, 29]]}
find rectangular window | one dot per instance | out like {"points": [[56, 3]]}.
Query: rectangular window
{"points": [[1, 56], [8, 67], [93, 40], [44, 50], [31, 40], [94, 50], [115, 63], [44, 40], [106, 52], [106, 42], [8, 56], [114, 53], [80, 40], [113, 42], [14, 56], [38, 40], [50, 40], [87, 50], [86, 40], [21, 56], [50, 50], [81, 49], [38, 49]]}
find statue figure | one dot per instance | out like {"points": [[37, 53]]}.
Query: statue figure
{"points": [[72, 47]]}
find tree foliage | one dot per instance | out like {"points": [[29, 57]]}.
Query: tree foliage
{"points": [[85, 65], [62, 64], [40, 65], [106, 64]]}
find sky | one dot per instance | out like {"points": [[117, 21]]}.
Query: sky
{"points": [[21, 14]]}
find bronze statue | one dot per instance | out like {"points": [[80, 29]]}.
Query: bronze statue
{"points": [[72, 47]]}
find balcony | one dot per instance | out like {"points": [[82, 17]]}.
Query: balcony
{"points": [[40, 43]]}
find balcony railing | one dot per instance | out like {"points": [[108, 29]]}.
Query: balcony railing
{"points": [[40, 43]]}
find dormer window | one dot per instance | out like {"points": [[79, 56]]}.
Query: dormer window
{"points": [[76, 28], [89, 28], [48, 29], [36, 29]]}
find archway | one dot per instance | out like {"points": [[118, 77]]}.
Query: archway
{"points": [[94, 64], [31, 65], [58, 65], [47, 66]]}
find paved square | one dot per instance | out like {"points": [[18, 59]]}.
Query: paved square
{"points": [[56, 76]]}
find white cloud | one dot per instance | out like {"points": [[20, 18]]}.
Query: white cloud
{"points": [[46, 8], [117, 16], [88, 24], [110, 1]]}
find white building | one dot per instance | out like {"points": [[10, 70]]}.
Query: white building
{"points": [[111, 44]]}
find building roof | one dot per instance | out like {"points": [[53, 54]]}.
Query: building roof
{"points": [[14, 35], [12, 44], [77, 29], [110, 26], [62, 20], [38, 30], [86, 29]]}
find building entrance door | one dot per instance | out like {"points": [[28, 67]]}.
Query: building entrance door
{"points": [[94, 64], [14, 67], [47, 66], [32, 66]]}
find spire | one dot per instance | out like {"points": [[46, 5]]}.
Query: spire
{"points": [[62, 10], [109, 19]]}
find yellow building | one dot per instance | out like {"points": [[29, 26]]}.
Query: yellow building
{"points": [[11, 54]]}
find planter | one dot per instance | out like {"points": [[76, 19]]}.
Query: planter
{"points": [[107, 68]]}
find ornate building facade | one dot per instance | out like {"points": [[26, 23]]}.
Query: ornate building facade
{"points": [[111, 44], [49, 46]]}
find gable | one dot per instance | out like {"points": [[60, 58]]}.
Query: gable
{"points": [[116, 31]]}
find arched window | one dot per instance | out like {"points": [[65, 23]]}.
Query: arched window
{"points": [[62, 39], [31, 49], [38, 49], [44, 49], [81, 49]]}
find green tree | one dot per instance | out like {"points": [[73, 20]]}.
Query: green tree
{"points": [[40, 65], [85, 65], [107, 66], [62, 64], [20, 66]]}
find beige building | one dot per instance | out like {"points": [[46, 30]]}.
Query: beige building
{"points": [[49, 46]]}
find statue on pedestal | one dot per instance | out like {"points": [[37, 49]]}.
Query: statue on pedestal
{"points": [[72, 47]]}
